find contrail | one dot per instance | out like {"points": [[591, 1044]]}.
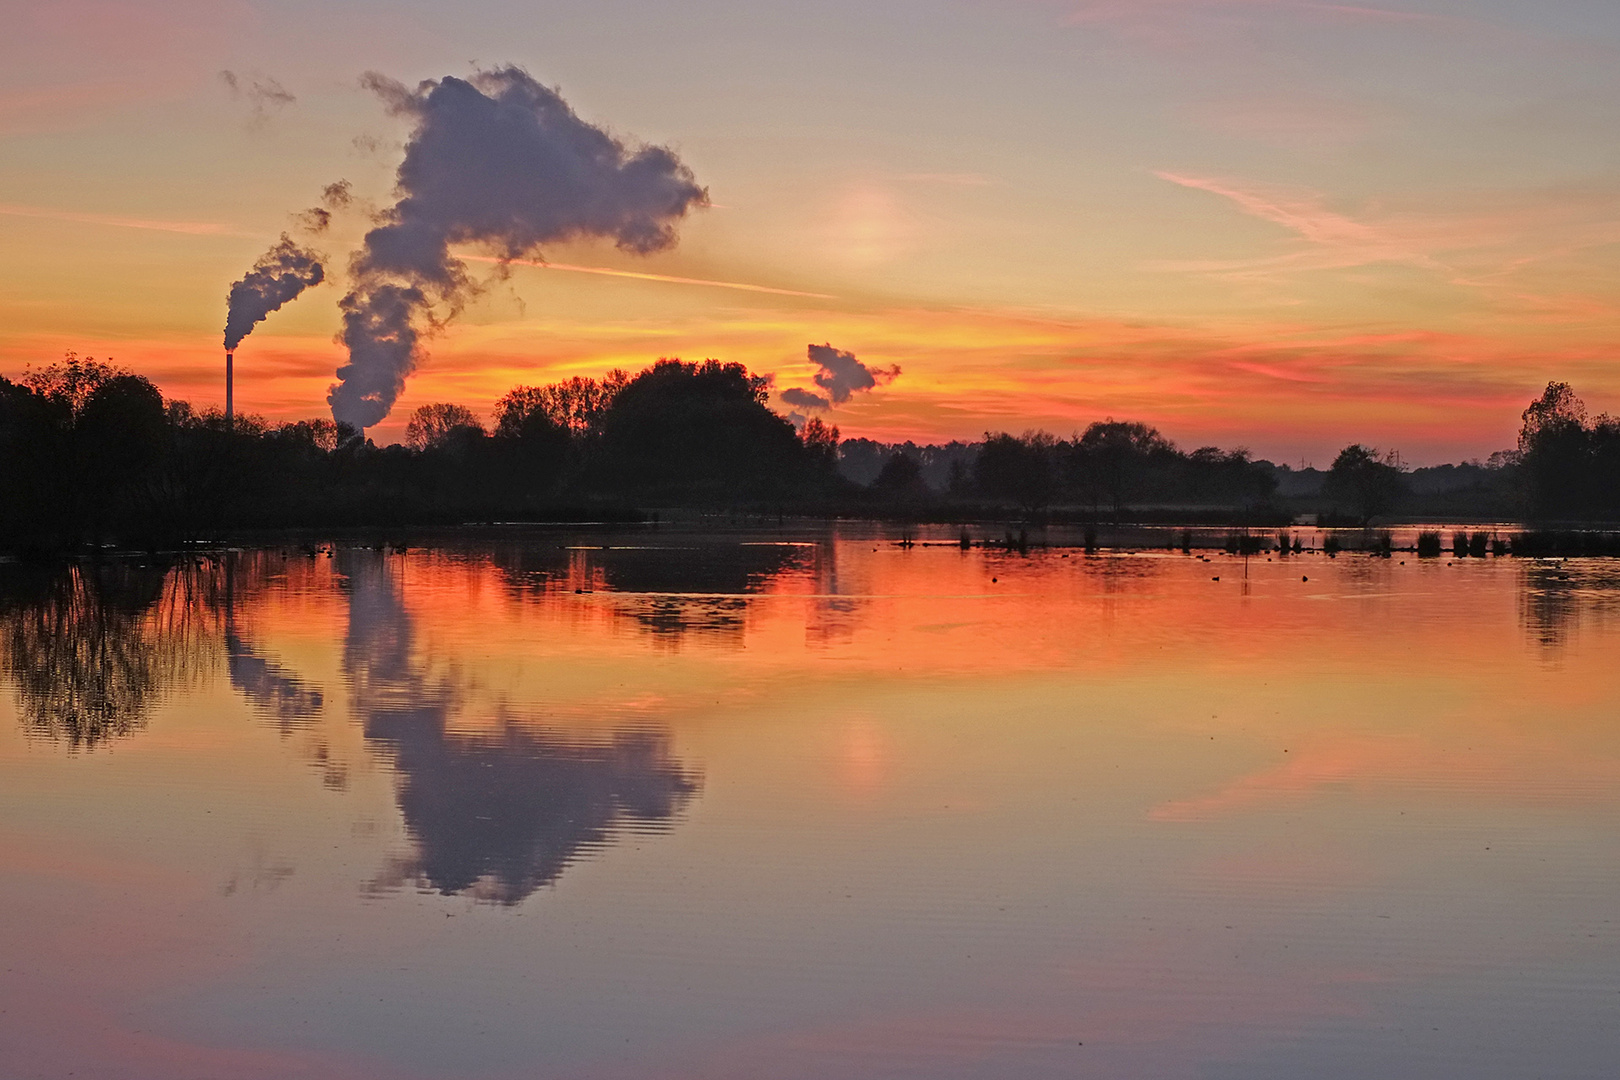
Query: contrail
{"points": [[670, 278], [194, 228]]}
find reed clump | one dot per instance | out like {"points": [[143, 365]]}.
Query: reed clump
{"points": [[1242, 543], [1428, 545]]}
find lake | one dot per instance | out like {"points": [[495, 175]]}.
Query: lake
{"points": [[808, 803]]}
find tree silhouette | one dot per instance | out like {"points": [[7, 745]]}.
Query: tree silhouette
{"points": [[1572, 463], [83, 438], [1368, 483], [1111, 457], [576, 405], [700, 431], [901, 478], [1017, 469], [821, 443], [433, 427]]}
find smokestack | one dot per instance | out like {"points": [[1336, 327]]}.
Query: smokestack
{"points": [[279, 276]]}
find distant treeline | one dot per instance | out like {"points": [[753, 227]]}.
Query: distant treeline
{"points": [[91, 453]]}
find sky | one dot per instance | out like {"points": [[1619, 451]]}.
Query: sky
{"points": [[1274, 224]]}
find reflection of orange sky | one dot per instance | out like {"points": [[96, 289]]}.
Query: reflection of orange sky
{"points": [[1282, 667], [1109, 801]]}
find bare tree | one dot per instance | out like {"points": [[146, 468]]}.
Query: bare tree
{"points": [[433, 426]]}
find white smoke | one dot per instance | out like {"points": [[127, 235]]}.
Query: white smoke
{"points": [[279, 276], [841, 376], [500, 161]]}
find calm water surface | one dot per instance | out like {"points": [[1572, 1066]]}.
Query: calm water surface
{"points": [[807, 806]]}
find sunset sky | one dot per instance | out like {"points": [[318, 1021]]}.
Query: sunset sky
{"points": [[1281, 225]]}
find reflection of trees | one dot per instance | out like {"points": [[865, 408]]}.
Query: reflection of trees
{"points": [[532, 569], [701, 568], [836, 610], [1547, 605], [697, 587], [494, 814], [92, 648], [1557, 598]]}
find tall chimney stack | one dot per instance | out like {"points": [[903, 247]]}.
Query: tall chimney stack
{"points": [[230, 412]]}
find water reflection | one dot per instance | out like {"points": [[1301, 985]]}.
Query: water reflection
{"points": [[696, 568], [92, 648], [697, 589], [997, 814], [1548, 605], [840, 592], [496, 807], [498, 816], [692, 585], [272, 689], [1558, 596]]}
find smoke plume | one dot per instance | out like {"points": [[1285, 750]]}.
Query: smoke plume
{"points": [[334, 197], [262, 93], [841, 375], [499, 161], [279, 276]]}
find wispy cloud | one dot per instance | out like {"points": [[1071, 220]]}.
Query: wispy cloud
{"points": [[1482, 243], [1094, 11], [261, 92], [1333, 239]]}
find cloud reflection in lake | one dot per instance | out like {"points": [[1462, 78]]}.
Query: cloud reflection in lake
{"points": [[495, 805]]}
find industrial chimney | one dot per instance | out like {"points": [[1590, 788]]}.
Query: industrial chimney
{"points": [[230, 358]]}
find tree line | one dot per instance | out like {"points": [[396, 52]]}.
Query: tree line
{"points": [[91, 453]]}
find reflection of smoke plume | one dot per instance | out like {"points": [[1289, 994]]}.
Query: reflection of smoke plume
{"points": [[497, 160], [279, 276], [271, 688], [499, 812], [840, 376]]}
